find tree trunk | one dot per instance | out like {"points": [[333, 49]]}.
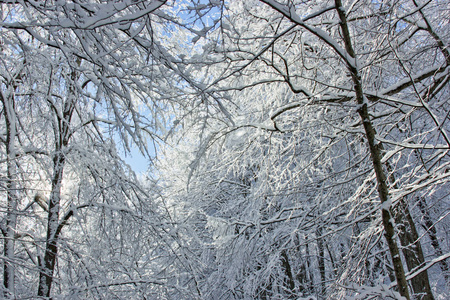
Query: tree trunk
{"points": [[411, 246], [412, 249], [290, 284], [62, 136], [375, 152], [51, 247], [432, 233], [9, 226], [321, 262], [309, 276]]}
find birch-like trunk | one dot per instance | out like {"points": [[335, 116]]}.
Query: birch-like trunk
{"points": [[51, 246], [62, 136]]}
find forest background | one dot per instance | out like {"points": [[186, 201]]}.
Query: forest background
{"points": [[295, 149]]}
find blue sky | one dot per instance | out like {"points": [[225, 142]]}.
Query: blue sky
{"points": [[136, 160]]}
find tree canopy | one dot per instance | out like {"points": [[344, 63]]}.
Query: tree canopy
{"points": [[296, 149]]}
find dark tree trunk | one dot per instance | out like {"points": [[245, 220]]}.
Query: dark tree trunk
{"points": [[376, 155], [9, 226], [288, 273], [303, 275], [321, 262], [412, 250], [411, 246], [432, 233]]}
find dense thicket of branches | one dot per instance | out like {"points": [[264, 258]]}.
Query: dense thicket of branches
{"points": [[302, 149]]}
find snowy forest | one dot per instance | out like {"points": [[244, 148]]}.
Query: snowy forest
{"points": [[295, 149]]}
